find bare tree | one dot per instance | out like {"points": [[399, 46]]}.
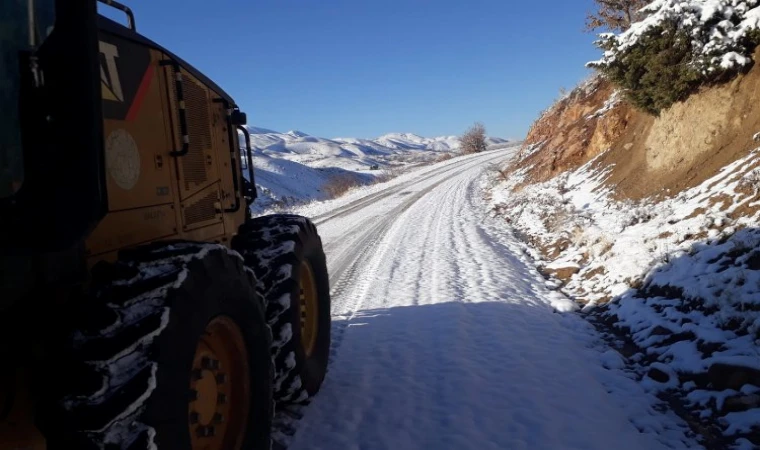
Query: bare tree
{"points": [[474, 139], [615, 15]]}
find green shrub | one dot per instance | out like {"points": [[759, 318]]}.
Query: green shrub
{"points": [[678, 47], [656, 72]]}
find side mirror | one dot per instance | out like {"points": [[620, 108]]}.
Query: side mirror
{"points": [[238, 118]]}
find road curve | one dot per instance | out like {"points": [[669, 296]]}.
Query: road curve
{"points": [[445, 336]]}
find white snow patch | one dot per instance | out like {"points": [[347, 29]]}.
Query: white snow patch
{"points": [[609, 104]]}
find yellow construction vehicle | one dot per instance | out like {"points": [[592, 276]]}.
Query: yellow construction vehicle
{"points": [[142, 306]]}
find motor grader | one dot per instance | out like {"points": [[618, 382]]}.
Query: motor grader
{"points": [[142, 306]]}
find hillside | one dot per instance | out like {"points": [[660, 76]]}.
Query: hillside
{"points": [[650, 223], [295, 167], [647, 155]]}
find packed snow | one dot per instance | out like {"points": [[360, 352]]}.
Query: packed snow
{"points": [[446, 336]]}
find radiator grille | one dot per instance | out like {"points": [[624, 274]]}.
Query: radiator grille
{"points": [[194, 164], [199, 129], [202, 210]]}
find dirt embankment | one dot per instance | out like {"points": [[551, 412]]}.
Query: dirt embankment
{"points": [[575, 129], [648, 156]]}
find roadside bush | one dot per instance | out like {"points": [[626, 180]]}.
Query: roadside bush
{"points": [[474, 139], [657, 72], [443, 157], [389, 173], [340, 184], [678, 47]]}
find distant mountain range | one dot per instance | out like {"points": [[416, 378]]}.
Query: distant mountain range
{"points": [[294, 167], [297, 142]]}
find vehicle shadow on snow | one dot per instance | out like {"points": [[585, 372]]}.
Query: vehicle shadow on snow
{"points": [[471, 375], [467, 329], [385, 326]]}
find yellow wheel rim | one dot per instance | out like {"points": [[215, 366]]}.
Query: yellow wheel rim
{"points": [[219, 388], [309, 309]]}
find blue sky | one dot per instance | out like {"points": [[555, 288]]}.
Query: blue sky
{"points": [[368, 67]]}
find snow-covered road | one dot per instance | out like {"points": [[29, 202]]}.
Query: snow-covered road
{"points": [[445, 337]]}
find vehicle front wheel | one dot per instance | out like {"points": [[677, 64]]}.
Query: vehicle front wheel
{"points": [[172, 352], [285, 251]]}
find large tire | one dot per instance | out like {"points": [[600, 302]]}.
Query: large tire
{"points": [[275, 246], [134, 356]]}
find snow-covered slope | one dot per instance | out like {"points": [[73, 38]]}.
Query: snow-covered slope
{"points": [[294, 167], [675, 279]]}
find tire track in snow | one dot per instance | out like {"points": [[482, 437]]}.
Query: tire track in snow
{"points": [[449, 256], [347, 278], [368, 201], [478, 274], [340, 265]]}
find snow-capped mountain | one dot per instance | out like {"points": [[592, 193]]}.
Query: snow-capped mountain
{"points": [[298, 142], [409, 141]]}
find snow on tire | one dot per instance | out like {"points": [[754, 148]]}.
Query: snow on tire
{"points": [[130, 357], [275, 247]]}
